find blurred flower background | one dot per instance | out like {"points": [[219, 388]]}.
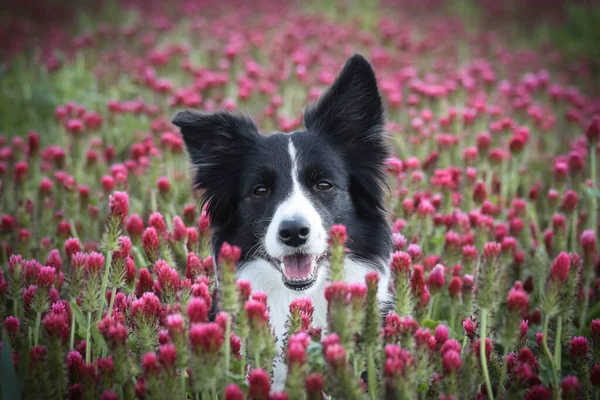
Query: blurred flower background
{"points": [[107, 278]]}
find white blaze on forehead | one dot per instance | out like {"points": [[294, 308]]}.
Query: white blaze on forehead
{"points": [[296, 205]]}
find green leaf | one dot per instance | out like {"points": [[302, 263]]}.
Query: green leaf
{"points": [[24, 361], [98, 340], [80, 319], [423, 387], [315, 355], [431, 324], [592, 192], [10, 387], [545, 374]]}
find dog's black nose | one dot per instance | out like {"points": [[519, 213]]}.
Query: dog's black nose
{"points": [[294, 232]]}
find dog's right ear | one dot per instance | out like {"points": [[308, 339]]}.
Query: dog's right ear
{"points": [[217, 143]]}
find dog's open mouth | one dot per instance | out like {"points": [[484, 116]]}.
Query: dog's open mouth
{"points": [[299, 271]]}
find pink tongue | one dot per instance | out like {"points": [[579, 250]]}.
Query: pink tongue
{"points": [[297, 266]]}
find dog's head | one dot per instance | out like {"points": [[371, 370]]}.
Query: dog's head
{"points": [[276, 196]]}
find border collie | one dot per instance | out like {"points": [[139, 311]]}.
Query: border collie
{"points": [[276, 196]]}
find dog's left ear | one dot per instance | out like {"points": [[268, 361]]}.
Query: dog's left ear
{"points": [[350, 116]]}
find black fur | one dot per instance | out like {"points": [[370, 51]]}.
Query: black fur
{"points": [[343, 143]]}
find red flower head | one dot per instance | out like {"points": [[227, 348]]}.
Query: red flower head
{"points": [[517, 300], [148, 307], [302, 305], [135, 225], [197, 310], [451, 361], [415, 252], [469, 253], [150, 363], [150, 240], [491, 250], [54, 260], [524, 327], [450, 345], [95, 263], [57, 323], [436, 278], [441, 334], [569, 201], [559, 271], [338, 234], [203, 222], [119, 205], [578, 348], [233, 392], [229, 254], [314, 385], [592, 131], [335, 355], [163, 185], [157, 222], [337, 292], [194, 266], [72, 246], [595, 375], [257, 313], [206, 337], [455, 287], [470, 328], [296, 353], [588, 242], [46, 277], [179, 230], [260, 385], [401, 262], [570, 387], [167, 355], [124, 247], [11, 325], [538, 393]]}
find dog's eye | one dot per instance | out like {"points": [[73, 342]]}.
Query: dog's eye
{"points": [[260, 190], [323, 186]]}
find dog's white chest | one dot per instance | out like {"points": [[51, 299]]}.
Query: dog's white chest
{"points": [[263, 277]]}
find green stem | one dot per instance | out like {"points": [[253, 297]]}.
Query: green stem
{"points": [[88, 345], [197, 396], [371, 375], [243, 363], [431, 306], [38, 319], [113, 294], [72, 340], [547, 350], [153, 202], [501, 386], [105, 280], [486, 375], [594, 208], [586, 300], [574, 231], [15, 307], [256, 360], [183, 383], [74, 229], [227, 344], [558, 346]]}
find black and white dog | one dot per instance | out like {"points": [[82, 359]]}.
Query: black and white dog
{"points": [[276, 196]]}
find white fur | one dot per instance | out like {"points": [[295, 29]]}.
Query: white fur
{"points": [[297, 204], [264, 277]]}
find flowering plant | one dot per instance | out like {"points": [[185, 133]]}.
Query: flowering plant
{"points": [[108, 288]]}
